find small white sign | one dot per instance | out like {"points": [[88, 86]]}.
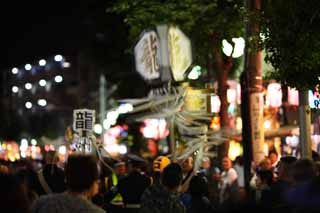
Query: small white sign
{"points": [[83, 120]]}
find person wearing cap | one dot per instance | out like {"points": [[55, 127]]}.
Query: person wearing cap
{"points": [[133, 185], [159, 164]]}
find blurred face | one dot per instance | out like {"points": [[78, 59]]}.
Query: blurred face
{"points": [[121, 170], [187, 164], [226, 163], [206, 164], [266, 164], [273, 157]]}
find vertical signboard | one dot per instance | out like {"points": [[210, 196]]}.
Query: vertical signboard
{"points": [[256, 116]]}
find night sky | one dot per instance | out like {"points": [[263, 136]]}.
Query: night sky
{"points": [[33, 29]]}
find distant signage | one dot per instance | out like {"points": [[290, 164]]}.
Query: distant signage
{"points": [[147, 56], [197, 100], [180, 52]]}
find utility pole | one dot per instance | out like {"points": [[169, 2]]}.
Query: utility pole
{"points": [[252, 98], [102, 98]]}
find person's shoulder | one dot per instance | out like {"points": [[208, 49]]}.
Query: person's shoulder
{"points": [[44, 203]]}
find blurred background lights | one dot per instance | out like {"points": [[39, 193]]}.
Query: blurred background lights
{"points": [[42, 102], [66, 65], [125, 108], [42, 82], [195, 73], [58, 58], [34, 142], [28, 66], [14, 71], [62, 150], [58, 79], [97, 128], [15, 89], [28, 86], [122, 149], [42, 62], [28, 105]]}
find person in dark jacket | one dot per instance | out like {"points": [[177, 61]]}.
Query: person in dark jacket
{"points": [[133, 185], [163, 196], [198, 190]]}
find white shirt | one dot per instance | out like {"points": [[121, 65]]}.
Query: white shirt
{"points": [[227, 179], [240, 171]]}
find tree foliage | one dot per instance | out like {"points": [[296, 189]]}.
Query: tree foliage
{"points": [[292, 41]]}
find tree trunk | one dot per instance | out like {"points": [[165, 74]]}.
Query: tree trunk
{"points": [[223, 68]]}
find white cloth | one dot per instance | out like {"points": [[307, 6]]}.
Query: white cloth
{"points": [[240, 171], [227, 179]]}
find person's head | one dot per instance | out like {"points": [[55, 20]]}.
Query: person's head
{"points": [[120, 168], [187, 164], [13, 194], [135, 163], [51, 157], [226, 163], [265, 176], [265, 164], [198, 185], [160, 163], [82, 174], [172, 176], [239, 160], [303, 170], [284, 167], [206, 163], [4, 169], [273, 155]]}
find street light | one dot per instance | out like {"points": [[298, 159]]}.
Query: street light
{"points": [[42, 82], [42, 102], [15, 89], [58, 58], [28, 67], [42, 62], [58, 79], [28, 86], [28, 105], [14, 71]]}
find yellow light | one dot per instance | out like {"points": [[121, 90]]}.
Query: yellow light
{"points": [[9, 148], [239, 123], [235, 149], [267, 124]]}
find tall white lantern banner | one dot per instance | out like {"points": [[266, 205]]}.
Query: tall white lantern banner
{"points": [[147, 56], [180, 52]]}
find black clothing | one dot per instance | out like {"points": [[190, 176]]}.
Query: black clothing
{"points": [[55, 178]]}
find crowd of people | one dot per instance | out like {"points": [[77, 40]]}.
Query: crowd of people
{"points": [[134, 185]]}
